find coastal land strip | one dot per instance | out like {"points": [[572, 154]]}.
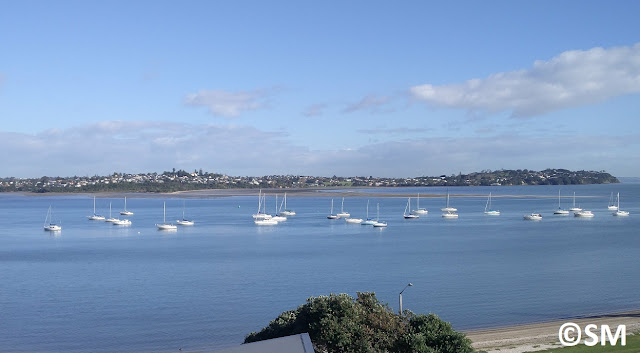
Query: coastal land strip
{"points": [[306, 192], [543, 336]]}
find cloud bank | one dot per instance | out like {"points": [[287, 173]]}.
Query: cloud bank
{"points": [[573, 78], [228, 104], [119, 146]]}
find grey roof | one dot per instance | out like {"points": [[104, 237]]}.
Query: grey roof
{"points": [[300, 343]]}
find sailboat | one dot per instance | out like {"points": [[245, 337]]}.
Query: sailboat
{"points": [[379, 223], [342, 213], [560, 210], [368, 221], [574, 208], [266, 220], [419, 210], [125, 212], [184, 221], [278, 217], [331, 215], [612, 206], [619, 212], [122, 222], [48, 222], [287, 212], [407, 211], [95, 217], [488, 210], [584, 214], [260, 215], [449, 212], [447, 208], [164, 225], [533, 217], [111, 219]]}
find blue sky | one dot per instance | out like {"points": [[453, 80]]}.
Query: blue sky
{"points": [[346, 88]]}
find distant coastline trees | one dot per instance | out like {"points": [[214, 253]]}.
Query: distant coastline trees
{"points": [[180, 180], [339, 323]]}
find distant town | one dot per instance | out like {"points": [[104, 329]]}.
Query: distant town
{"points": [[180, 180]]}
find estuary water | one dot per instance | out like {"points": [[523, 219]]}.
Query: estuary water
{"points": [[95, 287]]}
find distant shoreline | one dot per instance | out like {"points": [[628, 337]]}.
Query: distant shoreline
{"points": [[319, 192], [544, 335]]}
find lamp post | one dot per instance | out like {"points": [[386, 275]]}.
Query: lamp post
{"points": [[405, 287]]}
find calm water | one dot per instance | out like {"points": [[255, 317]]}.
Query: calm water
{"points": [[96, 287]]}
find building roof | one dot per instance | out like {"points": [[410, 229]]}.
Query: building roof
{"points": [[300, 343]]}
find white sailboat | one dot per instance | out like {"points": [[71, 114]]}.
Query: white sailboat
{"points": [[122, 222], [612, 206], [331, 215], [450, 214], [125, 212], [184, 221], [560, 211], [287, 212], [407, 211], [48, 222], [368, 221], [164, 225], [111, 219], [447, 208], [533, 217], [95, 217], [267, 220], [278, 217], [584, 214], [619, 212], [260, 215], [379, 223], [342, 213], [419, 210], [488, 210], [574, 208], [353, 220]]}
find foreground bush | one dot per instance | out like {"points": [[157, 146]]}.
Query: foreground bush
{"points": [[339, 323]]}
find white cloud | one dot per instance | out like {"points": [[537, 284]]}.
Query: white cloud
{"points": [[315, 110], [573, 78], [393, 131], [228, 104], [119, 146], [370, 102]]}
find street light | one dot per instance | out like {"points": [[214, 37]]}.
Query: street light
{"points": [[405, 287]]}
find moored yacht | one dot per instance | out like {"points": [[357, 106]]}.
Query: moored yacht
{"points": [[407, 211], [448, 208], [620, 212], [48, 222], [488, 210], [331, 215], [533, 217], [584, 214], [574, 208], [353, 220], [164, 225], [125, 212], [95, 217], [342, 213], [419, 210], [560, 211]]}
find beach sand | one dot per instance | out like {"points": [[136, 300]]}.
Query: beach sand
{"points": [[541, 336]]}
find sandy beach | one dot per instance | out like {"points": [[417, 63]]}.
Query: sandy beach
{"points": [[541, 336]]}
